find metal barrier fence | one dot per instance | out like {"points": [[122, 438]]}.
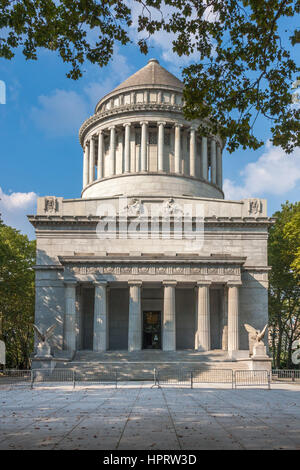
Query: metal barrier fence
{"points": [[286, 375], [248, 378], [159, 377]]}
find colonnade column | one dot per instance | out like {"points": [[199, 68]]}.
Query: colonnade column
{"points": [[193, 152], [135, 316], [160, 142], [204, 169], [144, 125], [85, 165], [219, 167], [127, 148], [177, 149], [70, 316], [112, 151], [100, 317], [213, 161], [169, 316], [233, 317], [100, 156], [202, 339], [92, 160]]}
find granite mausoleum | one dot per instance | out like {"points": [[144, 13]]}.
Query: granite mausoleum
{"points": [[109, 281]]}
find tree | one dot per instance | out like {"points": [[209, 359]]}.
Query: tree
{"points": [[284, 289], [17, 258], [242, 70]]}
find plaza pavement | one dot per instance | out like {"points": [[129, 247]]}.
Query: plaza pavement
{"points": [[134, 416]]}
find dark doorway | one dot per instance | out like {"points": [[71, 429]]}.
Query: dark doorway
{"points": [[151, 330]]}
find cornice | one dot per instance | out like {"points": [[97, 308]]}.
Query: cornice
{"points": [[63, 220], [99, 117]]}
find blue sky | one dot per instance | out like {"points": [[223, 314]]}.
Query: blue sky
{"points": [[40, 150]]}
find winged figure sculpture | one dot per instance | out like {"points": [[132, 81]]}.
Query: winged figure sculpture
{"points": [[254, 335]]}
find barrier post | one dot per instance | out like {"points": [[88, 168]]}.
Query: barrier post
{"points": [[191, 379], [74, 379], [31, 379], [116, 379]]}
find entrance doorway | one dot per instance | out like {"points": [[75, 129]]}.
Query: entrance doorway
{"points": [[151, 330]]}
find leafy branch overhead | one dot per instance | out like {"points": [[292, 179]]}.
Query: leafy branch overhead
{"points": [[241, 65]]}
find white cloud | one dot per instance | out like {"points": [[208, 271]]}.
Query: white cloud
{"points": [[161, 39], [274, 173], [60, 113], [15, 206]]}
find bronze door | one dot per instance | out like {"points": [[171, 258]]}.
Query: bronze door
{"points": [[151, 330]]}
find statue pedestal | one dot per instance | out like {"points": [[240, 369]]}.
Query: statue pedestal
{"points": [[43, 351], [260, 360]]}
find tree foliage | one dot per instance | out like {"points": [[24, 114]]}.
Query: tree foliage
{"points": [[242, 68], [17, 258], [284, 290]]}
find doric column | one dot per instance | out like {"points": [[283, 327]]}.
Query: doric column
{"points": [[169, 316], [112, 151], [144, 125], [204, 158], [92, 160], [135, 316], [127, 148], [233, 317], [193, 152], [202, 340], [85, 165], [219, 167], [100, 156], [160, 148], [213, 160], [177, 148], [70, 315], [100, 318]]}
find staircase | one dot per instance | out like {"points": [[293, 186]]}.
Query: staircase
{"points": [[139, 365]]}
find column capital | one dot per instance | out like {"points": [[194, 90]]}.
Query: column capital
{"points": [[127, 124], [135, 283], [100, 131], [111, 127], [100, 283], [193, 129], [144, 122], [204, 283], [169, 283], [176, 124], [161, 123], [233, 283]]}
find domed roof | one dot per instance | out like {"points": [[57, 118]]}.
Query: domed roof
{"points": [[151, 74]]}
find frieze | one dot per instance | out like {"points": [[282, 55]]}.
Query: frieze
{"points": [[149, 269]]}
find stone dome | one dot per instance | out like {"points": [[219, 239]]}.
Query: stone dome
{"points": [[139, 143]]}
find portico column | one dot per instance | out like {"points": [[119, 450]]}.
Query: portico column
{"points": [[127, 148], [192, 152], [213, 158], [100, 156], [177, 149], [112, 151], [204, 158], [160, 141], [135, 316], [169, 316], [219, 167], [144, 125], [100, 317], [70, 316], [233, 317], [85, 165], [92, 160], [202, 342]]}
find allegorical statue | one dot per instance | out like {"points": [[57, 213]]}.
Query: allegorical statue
{"points": [[255, 336], [43, 347]]}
